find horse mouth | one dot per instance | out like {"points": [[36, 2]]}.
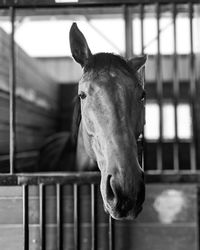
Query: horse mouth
{"points": [[121, 215]]}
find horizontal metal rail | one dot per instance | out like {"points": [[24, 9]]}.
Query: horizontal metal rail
{"points": [[50, 178], [91, 178]]}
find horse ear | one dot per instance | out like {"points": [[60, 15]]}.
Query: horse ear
{"points": [[141, 75], [78, 44], [137, 63]]}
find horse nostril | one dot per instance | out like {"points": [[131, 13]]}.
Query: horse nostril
{"points": [[109, 189]]}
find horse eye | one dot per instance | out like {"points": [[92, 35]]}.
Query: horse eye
{"points": [[82, 95], [143, 96]]}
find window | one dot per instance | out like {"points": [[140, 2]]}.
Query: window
{"points": [[152, 129], [184, 121], [168, 121], [166, 35]]}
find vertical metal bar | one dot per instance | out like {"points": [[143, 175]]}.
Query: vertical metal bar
{"points": [[142, 52], [192, 71], [111, 233], [128, 32], [42, 216], [25, 217], [176, 90], [59, 216], [12, 87], [93, 218], [192, 92], [142, 27], [76, 218], [159, 89]]}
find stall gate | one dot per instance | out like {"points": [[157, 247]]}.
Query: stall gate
{"points": [[169, 178], [59, 211], [65, 211]]}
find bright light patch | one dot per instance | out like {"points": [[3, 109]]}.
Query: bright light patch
{"points": [[152, 130], [137, 48], [168, 121], [50, 38], [183, 35], [184, 121], [6, 26], [44, 38], [150, 35], [66, 1], [166, 36], [110, 38]]}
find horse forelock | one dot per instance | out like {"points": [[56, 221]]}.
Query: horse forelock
{"points": [[106, 61]]}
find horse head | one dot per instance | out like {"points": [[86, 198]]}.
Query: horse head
{"points": [[112, 118]]}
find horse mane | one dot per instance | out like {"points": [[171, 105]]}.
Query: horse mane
{"points": [[76, 119]]}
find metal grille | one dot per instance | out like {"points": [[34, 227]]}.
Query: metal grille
{"points": [[159, 150], [60, 180], [76, 181]]}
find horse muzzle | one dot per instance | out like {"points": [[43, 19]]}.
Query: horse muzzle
{"points": [[121, 204]]}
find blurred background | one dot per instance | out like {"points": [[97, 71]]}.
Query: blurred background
{"points": [[38, 83], [46, 76]]}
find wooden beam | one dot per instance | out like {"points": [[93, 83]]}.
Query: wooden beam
{"points": [[52, 3], [128, 33]]}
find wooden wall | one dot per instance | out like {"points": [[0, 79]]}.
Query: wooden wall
{"points": [[36, 104], [66, 70], [68, 93], [169, 220]]}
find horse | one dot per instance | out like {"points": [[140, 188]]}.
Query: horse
{"points": [[108, 119]]}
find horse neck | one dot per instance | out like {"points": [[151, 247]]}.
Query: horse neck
{"points": [[83, 161]]}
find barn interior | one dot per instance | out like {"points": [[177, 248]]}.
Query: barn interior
{"points": [[38, 84], [46, 77]]}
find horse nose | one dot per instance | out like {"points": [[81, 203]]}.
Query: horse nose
{"points": [[120, 203]]}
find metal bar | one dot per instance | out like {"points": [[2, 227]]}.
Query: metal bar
{"points": [[111, 233], [159, 88], [12, 87], [176, 90], [93, 218], [142, 52], [142, 27], [59, 216], [42, 216], [25, 217], [128, 33], [192, 93], [184, 176], [178, 177], [76, 218], [61, 177]]}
